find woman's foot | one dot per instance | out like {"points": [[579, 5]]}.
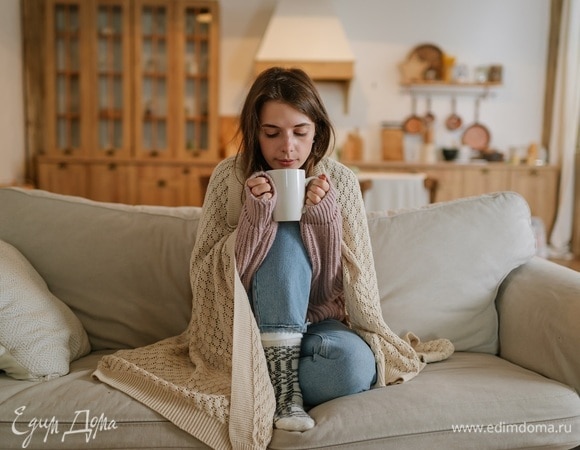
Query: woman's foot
{"points": [[283, 354]]}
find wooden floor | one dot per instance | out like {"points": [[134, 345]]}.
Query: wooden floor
{"points": [[572, 264]]}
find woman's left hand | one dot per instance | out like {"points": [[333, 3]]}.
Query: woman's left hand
{"points": [[316, 191]]}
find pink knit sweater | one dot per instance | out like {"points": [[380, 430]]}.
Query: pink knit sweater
{"points": [[321, 230]]}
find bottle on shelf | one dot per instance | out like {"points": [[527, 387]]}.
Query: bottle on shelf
{"points": [[428, 155]]}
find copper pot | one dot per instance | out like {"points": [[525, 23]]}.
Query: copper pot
{"points": [[454, 121], [413, 124], [476, 135]]}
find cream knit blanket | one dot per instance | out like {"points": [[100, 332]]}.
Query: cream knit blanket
{"points": [[212, 380]]}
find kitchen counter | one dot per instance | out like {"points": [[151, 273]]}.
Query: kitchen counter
{"points": [[537, 184]]}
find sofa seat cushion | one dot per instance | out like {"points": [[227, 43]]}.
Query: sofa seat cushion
{"points": [[68, 401], [439, 268], [123, 270], [467, 389]]}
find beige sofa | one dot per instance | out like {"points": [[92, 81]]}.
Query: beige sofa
{"points": [[464, 270]]}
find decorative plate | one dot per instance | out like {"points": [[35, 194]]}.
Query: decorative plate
{"points": [[432, 55]]}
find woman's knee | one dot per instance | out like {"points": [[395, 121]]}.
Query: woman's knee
{"points": [[335, 362]]}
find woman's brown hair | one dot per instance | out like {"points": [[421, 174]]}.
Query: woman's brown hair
{"points": [[295, 88]]}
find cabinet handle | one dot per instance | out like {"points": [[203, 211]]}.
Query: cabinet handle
{"points": [[186, 170], [485, 171], [112, 166], [62, 165], [161, 183], [110, 152], [67, 151], [533, 172], [154, 153]]}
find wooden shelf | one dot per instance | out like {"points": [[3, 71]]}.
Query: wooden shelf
{"points": [[438, 87]]}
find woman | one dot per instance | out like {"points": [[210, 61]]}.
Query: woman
{"points": [[293, 270], [234, 373]]}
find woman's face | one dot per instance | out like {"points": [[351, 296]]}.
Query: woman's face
{"points": [[286, 135]]}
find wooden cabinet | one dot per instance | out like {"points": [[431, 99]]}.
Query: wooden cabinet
{"points": [[540, 189], [538, 185], [110, 182], [65, 177], [198, 181], [171, 184], [483, 179], [130, 107], [160, 185], [87, 78], [197, 84], [449, 182], [110, 72], [155, 61]]}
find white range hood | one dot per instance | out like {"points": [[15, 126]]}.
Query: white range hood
{"points": [[309, 35]]}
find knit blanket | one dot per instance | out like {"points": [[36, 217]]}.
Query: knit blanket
{"points": [[212, 380]]}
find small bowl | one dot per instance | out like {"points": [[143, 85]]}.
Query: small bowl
{"points": [[449, 154]]}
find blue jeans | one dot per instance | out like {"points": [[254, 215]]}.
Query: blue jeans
{"points": [[334, 361]]}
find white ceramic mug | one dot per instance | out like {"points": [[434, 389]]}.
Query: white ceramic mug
{"points": [[290, 185], [464, 154]]}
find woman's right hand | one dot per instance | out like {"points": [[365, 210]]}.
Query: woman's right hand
{"points": [[260, 187]]}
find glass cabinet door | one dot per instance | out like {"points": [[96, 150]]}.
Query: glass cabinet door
{"points": [[111, 22], [153, 78], [124, 85], [198, 83], [65, 77]]}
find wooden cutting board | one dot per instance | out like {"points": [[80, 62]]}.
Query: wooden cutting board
{"points": [[352, 149], [392, 143]]}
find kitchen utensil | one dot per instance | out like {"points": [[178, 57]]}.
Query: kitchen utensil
{"points": [[449, 154], [392, 138], [429, 116], [352, 150], [476, 135], [413, 124], [454, 121]]}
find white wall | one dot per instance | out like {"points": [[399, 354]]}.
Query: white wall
{"points": [[513, 33], [11, 98]]}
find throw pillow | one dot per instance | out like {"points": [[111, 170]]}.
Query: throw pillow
{"points": [[439, 267], [39, 334]]}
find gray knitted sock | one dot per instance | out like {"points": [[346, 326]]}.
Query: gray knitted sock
{"points": [[283, 356]]}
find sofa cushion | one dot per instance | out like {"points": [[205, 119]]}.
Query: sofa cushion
{"points": [[39, 334], [123, 270], [439, 267], [467, 389], [469, 401], [85, 414]]}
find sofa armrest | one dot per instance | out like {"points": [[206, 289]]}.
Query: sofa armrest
{"points": [[539, 312]]}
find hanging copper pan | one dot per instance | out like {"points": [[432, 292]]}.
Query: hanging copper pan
{"points": [[454, 121], [413, 124], [476, 135]]}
